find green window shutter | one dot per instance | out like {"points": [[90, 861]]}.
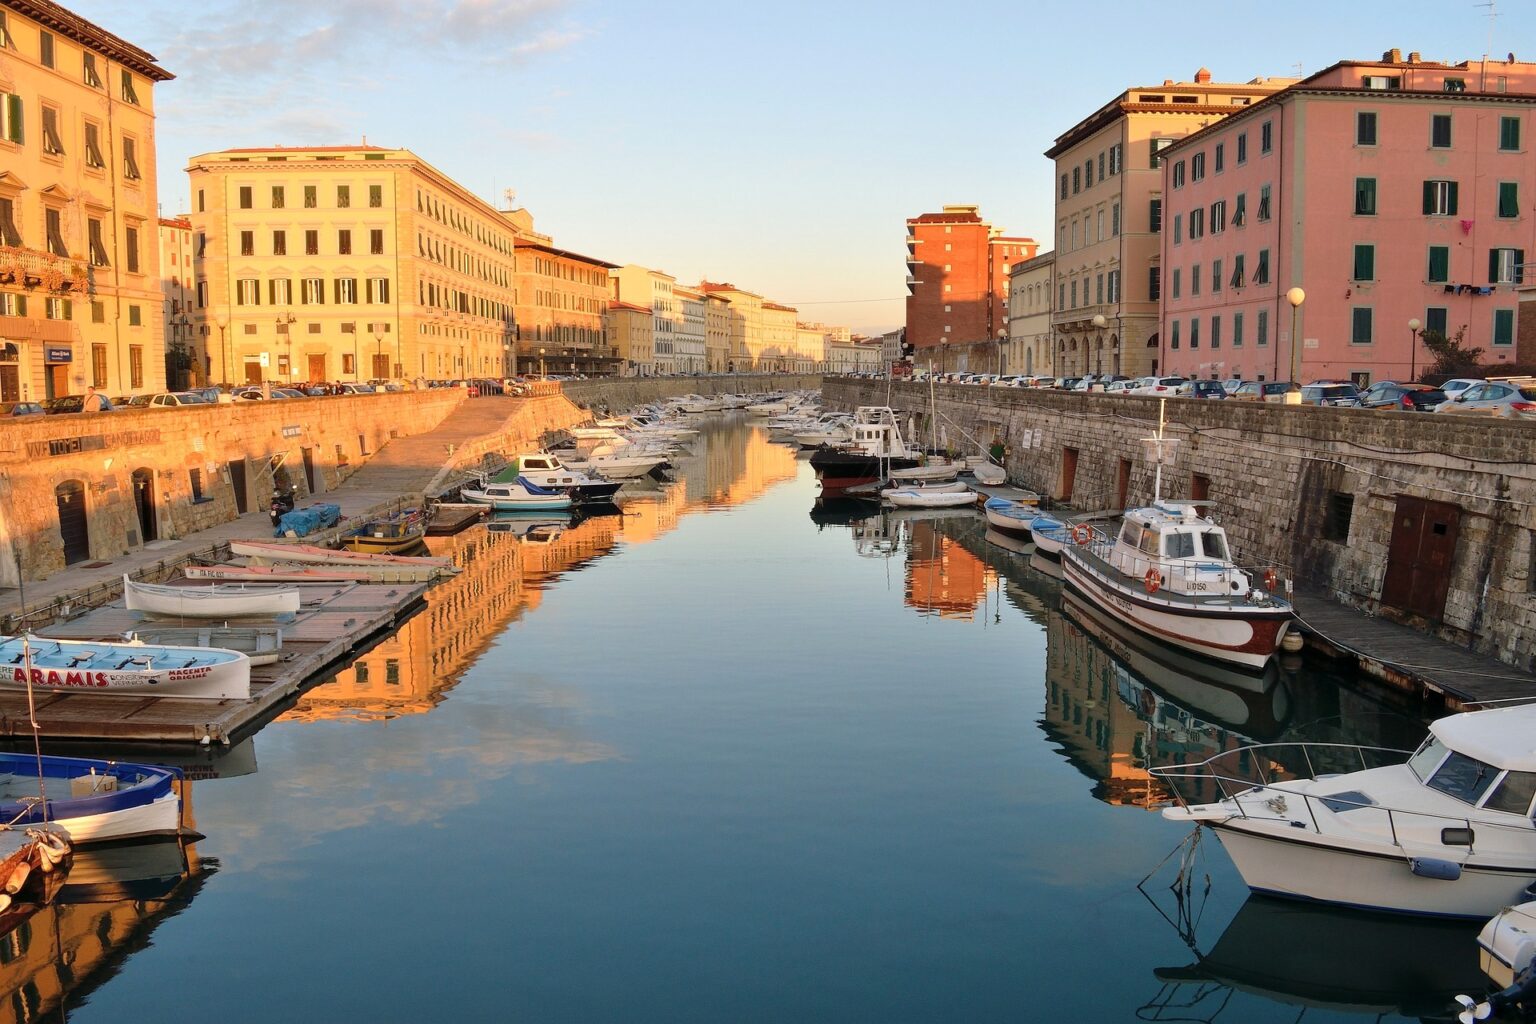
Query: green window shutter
{"points": [[1451, 205], [1519, 266], [21, 305], [1439, 263], [14, 103], [69, 309], [1493, 266], [1429, 197], [1365, 263], [1509, 199]]}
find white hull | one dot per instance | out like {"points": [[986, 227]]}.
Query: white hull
{"points": [[1045, 543], [1241, 637], [618, 468], [989, 474], [215, 601], [932, 471], [528, 503], [1007, 523], [1293, 864], [313, 555], [929, 498], [208, 674], [159, 818]]}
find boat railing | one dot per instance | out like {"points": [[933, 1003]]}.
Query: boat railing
{"points": [[1248, 778], [1193, 580]]}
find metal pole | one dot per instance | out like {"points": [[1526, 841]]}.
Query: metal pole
{"points": [[1413, 355], [1295, 347]]}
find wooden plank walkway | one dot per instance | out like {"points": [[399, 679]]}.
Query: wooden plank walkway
{"points": [[334, 622], [1406, 657]]}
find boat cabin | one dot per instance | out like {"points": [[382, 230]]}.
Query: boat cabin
{"points": [[876, 433], [1483, 758], [1188, 550]]}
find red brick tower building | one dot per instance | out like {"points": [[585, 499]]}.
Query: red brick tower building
{"points": [[957, 288]]}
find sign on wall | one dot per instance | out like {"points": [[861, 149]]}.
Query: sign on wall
{"points": [[53, 354]]}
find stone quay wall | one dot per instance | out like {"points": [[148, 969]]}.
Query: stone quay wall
{"points": [[196, 466], [615, 394], [1321, 491]]}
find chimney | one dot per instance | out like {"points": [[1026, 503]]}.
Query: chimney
{"points": [[1392, 56], [1203, 76], [1413, 58]]}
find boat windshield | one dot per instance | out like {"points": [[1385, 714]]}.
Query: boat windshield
{"points": [[1465, 778], [1427, 758], [1179, 545], [1514, 793], [1215, 544]]}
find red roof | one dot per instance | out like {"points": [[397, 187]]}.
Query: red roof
{"points": [[945, 218], [176, 222]]}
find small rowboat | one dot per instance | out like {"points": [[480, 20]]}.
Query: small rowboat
{"points": [[278, 551], [1009, 515], [214, 601], [1050, 534], [262, 644], [93, 801], [388, 535], [951, 487], [278, 574], [132, 669], [989, 473], [929, 498], [934, 469]]}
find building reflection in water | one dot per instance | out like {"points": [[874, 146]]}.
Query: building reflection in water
{"points": [[943, 577]]}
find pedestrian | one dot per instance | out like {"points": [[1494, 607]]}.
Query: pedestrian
{"points": [[998, 450], [92, 401]]}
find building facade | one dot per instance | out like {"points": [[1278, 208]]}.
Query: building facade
{"points": [[80, 301], [1030, 293], [781, 339], [642, 286], [957, 288], [692, 339], [347, 263], [1394, 194], [1109, 215], [183, 358], [746, 325], [893, 346], [630, 327], [559, 301], [717, 331]]}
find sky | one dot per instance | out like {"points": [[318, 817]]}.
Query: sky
{"points": [[780, 146]]}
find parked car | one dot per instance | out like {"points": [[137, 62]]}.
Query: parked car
{"points": [[1457, 385], [1119, 387], [22, 409], [1201, 389], [1495, 398], [1067, 383], [1165, 386], [1330, 393], [63, 404], [1231, 384], [1403, 397], [168, 400], [1266, 391]]}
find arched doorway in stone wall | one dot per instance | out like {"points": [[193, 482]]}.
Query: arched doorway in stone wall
{"points": [[74, 529], [144, 504], [1114, 354]]}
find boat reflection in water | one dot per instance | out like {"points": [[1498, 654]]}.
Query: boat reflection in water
{"points": [[1323, 958]]}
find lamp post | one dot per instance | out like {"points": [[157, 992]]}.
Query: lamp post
{"points": [[541, 362], [378, 353], [222, 321], [283, 322], [1002, 336], [1296, 296], [1413, 348], [1098, 322], [179, 324]]}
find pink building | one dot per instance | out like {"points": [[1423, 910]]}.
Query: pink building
{"points": [[1389, 192]]}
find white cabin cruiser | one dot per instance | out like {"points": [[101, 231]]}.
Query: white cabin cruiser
{"points": [[1443, 831]]}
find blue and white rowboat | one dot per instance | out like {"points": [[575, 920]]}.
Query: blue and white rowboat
{"points": [[94, 801], [129, 668], [1050, 534], [1011, 516]]}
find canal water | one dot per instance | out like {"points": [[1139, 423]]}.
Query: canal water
{"points": [[733, 757]]}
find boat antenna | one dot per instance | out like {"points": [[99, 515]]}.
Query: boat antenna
{"points": [[1157, 476], [37, 741]]}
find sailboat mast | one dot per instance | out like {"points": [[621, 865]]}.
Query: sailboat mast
{"points": [[1157, 478]]}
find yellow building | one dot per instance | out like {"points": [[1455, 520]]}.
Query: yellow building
{"points": [[1109, 213], [182, 368], [629, 331], [80, 300], [717, 332], [655, 289], [347, 263], [779, 338], [559, 301], [692, 338], [746, 325], [1031, 289]]}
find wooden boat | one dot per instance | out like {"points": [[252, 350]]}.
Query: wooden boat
{"points": [[935, 469], [214, 601], [1010, 515], [521, 495], [278, 551], [388, 535], [929, 497], [117, 667], [1050, 534], [262, 644], [29, 857], [927, 487], [92, 800], [277, 574], [357, 572]]}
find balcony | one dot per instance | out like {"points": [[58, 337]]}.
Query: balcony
{"points": [[31, 268]]}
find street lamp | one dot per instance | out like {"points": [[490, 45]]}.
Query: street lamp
{"points": [[222, 321], [541, 362], [1413, 348], [1002, 335], [1295, 297], [1098, 322], [378, 353], [283, 322]]}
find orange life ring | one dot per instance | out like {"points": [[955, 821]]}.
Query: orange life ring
{"points": [[1082, 533], [1270, 579], [1154, 581]]}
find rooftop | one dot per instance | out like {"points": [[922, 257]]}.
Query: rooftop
{"points": [[523, 243], [89, 34]]}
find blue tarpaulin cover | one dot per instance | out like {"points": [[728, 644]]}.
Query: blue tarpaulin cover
{"points": [[304, 521]]}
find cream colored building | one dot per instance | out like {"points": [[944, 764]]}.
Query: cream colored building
{"points": [[630, 327], [1030, 293], [692, 340], [746, 338], [642, 286], [780, 340], [343, 263], [183, 366], [717, 332], [868, 355], [810, 351], [1109, 212], [80, 300]]}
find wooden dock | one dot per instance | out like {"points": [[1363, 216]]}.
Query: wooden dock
{"points": [[449, 519], [334, 623], [1407, 658]]}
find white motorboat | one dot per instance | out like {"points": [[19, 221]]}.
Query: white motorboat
{"points": [[210, 601], [518, 495], [875, 449], [262, 644], [131, 669], [1011, 515], [928, 497], [735, 401], [700, 404], [771, 407], [546, 470], [1444, 831]]}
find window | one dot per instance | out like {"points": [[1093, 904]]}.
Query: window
{"points": [[1220, 157], [1238, 278], [135, 366], [1509, 199], [1242, 148], [1365, 263], [1509, 134], [1514, 793], [1101, 166], [1196, 223], [88, 71], [279, 197], [195, 478], [1064, 184], [311, 197], [1178, 228], [1240, 210], [344, 242], [1365, 197], [53, 222], [343, 196], [202, 202], [1114, 286], [129, 95], [1088, 173], [1098, 289], [1154, 284], [1266, 137], [248, 292], [247, 243], [346, 290], [1194, 332], [280, 292], [45, 49], [1261, 268], [11, 117], [1440, 198], [1381, 83], [98, 366], [1237, 330], [376, 241], [1360, 325], [57, 309], [1114, 220], [131, 249], [312, 291], [1215, 332], [135, 316], [1178, 174], [245, 197], [1365, 128], [1218, 216], [8, 233], [1261, 328], [1197, 167], [1177, 282], [1439, 264], [1504, 266], [1462, 777], [279, 243], [311, 242], [1073, 293], [1157, 146], [1115, 158], [1077, 180], [376, 195], [130, 159], [1440, 131], [1215, 276], [378, 289], [93, 156], [96, 243], [1194, 279], [1155, 215], [1263, 210], [1173, 341], [53, 145], [1504, 327]]}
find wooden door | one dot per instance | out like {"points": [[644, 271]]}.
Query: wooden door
{"points": [[380, 366], [1419, 558], [144, 503], [252, 371], [1199, 490], [317, 367], [237, 481], [73, 528], [309, 468], [1068, 474], [1123, 484]]}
